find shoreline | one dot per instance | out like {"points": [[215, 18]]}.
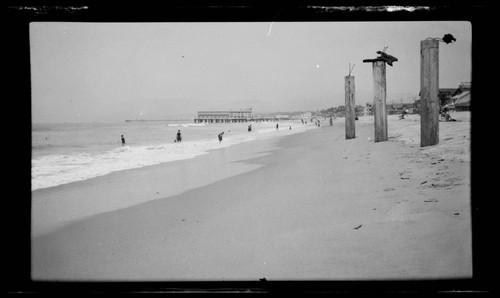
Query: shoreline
{"points": [[64, 163], [119, 186], [306, 206]]}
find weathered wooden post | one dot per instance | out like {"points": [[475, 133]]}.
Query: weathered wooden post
{"points": [[429, 89], [379, 94], [350, 108], [379, 97]]}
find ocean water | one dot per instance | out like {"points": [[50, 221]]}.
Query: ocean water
{"points": [[69, 152]]}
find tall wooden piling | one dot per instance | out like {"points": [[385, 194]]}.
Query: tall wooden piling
{"points": [[350, 112], [379, 98], [429, 89]]}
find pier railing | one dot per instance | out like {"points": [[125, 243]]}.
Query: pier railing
{"points": [[159, 120]]}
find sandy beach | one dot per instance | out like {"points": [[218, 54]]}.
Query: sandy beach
{"points": [[307, 206]]}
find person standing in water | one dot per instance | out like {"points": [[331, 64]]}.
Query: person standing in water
{"points": [[123, 141], [220, 136], [179, 137], [277, 126]]}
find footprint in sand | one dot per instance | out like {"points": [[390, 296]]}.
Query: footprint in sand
{"points": [[452, 179], [440, 184], [403, 175], [431, 201]]}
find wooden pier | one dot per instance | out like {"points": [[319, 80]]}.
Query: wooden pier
{"points": [[238, 120], [159, 120], [232, 116]]}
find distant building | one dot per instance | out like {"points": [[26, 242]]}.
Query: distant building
{"points": [[465, 86], [359, 110], [307, 116], [446, 95], [231, 116], [234, 116], [461, 102], [368, 109]]}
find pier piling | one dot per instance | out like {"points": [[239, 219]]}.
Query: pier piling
{"points": [[429, 89], [379, 101], [350, 112]]}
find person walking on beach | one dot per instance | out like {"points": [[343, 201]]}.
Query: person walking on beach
{"points": [[123, 141], [277, 126], [220, 137], [402, 116], [179, 137]]}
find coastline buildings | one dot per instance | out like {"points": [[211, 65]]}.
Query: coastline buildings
{"points": [[235, 116], [231, 116], [461, 102], [449, 96], [306, 116]]}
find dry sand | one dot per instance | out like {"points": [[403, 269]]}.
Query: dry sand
{"points": [[309, 206]]}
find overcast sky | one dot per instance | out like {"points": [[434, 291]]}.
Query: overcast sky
{"points": [[107, 72]]}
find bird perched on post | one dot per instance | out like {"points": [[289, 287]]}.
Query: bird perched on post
{"points": [[386, 57], [447, 38], [383, 56]]}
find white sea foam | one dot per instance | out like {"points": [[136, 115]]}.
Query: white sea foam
{"points": [[186, 124], [57, 169]]}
